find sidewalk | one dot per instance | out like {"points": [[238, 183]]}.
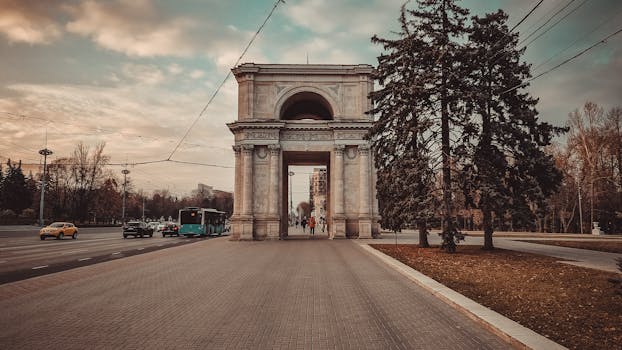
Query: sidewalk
{"points": [[218, 294]]}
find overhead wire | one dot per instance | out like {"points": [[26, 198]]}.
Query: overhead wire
{"points": [[546, 22], [209, 102], [602, 41], [556, 23]]}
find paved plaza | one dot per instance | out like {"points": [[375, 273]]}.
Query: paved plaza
{"points": [[219, 294]]}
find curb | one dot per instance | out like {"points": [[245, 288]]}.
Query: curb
{"points": [[517, 335]]}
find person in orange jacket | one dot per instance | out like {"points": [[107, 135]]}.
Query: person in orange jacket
{"points": [[312, 225]]}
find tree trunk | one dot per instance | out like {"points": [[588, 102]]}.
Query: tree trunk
{"points": [[423, 234], [488, 229]]}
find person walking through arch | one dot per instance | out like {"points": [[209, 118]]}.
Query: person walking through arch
{"points": [[312, 225], [303, 223]]}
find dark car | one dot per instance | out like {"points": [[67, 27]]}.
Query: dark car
{"points": [[137, 229], [170, 229]]}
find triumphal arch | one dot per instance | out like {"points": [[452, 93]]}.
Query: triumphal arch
{"points": [[303, 114]]}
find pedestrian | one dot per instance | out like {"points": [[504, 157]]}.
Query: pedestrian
{"points": [[323, 223], [296, 222], [312, 225], [303, 223]]}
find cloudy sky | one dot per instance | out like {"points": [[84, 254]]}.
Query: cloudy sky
{"points": [[136, 73]]}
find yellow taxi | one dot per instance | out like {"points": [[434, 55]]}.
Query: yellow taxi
{"points": [[59, 230]]}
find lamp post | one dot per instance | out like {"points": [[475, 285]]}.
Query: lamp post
{"points": [[125, 172], [291, 206], [45, 153]]}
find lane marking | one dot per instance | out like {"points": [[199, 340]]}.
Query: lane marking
{"points": [[74, 251], [40, 267], [140, 248], [116, 253], [84, 259]]}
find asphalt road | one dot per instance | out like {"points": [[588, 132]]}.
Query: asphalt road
{"points": [[24, 255]]}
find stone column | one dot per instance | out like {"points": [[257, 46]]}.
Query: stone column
{"points": [[339, 220], [238, 196], [237, 191], [273, 224], [247, 207], [364, 192]]}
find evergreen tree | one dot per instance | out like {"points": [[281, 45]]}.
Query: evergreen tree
{"points": [[507, 165], [422, 85], [15, 194], [399, 135], [1, 184]]}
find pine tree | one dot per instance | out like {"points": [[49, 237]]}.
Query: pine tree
{"points": [[15, 192], [421, 86], [400, 135], [507, 165]]}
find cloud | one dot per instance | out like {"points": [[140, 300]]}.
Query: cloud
{"points": [[326, 16], [28, 21], [143, 73], [134, 28]]}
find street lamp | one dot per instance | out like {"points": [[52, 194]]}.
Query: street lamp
{"points": [[45, 153], [125, 172], [291, 206]]}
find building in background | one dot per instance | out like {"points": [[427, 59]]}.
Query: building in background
{"points": [[317, 192]]}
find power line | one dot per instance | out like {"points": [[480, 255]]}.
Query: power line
{"points": [[603, 41], [576, 41], [225, 79], [527, 15], [557, 22], [547, 21]]}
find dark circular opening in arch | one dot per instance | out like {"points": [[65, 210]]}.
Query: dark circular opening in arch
{"points": [[306, 105]]}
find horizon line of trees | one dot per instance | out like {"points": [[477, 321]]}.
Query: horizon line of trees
{"points": [[81, 189]]}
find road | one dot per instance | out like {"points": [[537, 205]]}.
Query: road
{"points": [[24, 255]]}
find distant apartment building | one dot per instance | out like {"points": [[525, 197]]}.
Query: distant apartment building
{"points": [[317, 192]]}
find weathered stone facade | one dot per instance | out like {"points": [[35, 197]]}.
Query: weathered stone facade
{"points": [[303, 115]]}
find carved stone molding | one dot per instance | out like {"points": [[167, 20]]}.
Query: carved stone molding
{"points": [[306, 136], [237, 149], [261, 135], [349, 135]]}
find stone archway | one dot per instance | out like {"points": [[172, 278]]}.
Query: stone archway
{"points": [[302, 114]]}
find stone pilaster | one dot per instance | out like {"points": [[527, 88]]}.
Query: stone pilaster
{"points": [[273, 223], [339, 219], [237, 190], [365, 217], [247, 207]]}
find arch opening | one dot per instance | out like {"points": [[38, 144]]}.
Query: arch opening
{"points": [[306, 105]]}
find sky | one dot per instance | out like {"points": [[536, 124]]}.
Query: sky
{"points": [[135, 74]]}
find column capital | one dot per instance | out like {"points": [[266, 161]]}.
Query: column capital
{"points": [[237, 148], [248, 149], [339, 149], [363, 149], [274, 148]]}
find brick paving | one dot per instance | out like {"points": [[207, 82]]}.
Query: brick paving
{"points": [[217, 294]]}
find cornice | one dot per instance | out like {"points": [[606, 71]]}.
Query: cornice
{"points": [[303, 69], [301, 125]]}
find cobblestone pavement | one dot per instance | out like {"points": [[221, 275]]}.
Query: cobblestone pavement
{"points": [[217, 294]]}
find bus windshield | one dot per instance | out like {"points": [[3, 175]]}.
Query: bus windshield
{"points": [[190, 217]]}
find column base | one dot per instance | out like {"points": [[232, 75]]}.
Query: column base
{"points": [[339, 227], [273, 229], [242, 228], [365, 228]]}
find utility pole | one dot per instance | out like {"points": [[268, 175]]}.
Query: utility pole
{"points": [[125, 172], [580, 210], [291, 206], [143, 208], [45, 153]]}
